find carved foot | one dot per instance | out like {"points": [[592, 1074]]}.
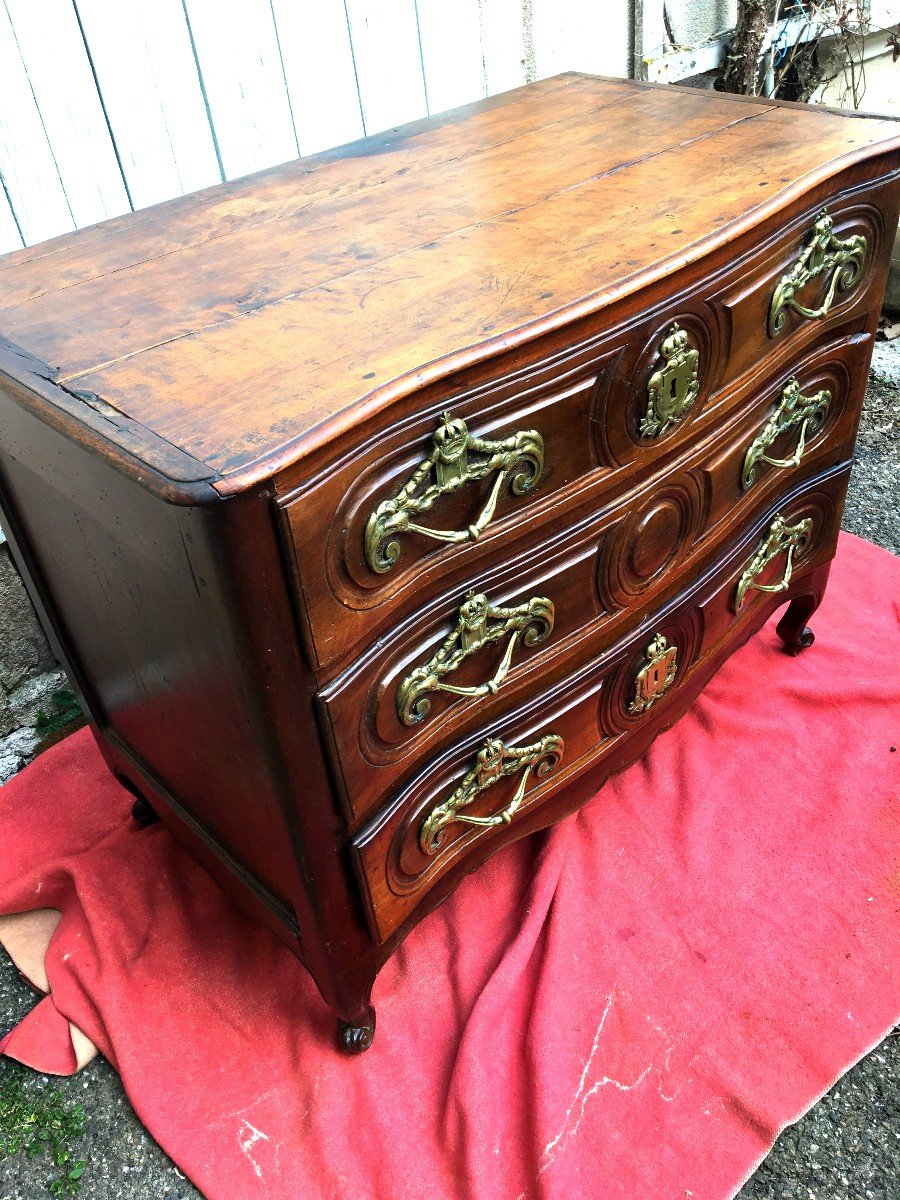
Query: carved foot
{"points": [[792, 628], [142, 812], [801, 641], [356, 1036]]}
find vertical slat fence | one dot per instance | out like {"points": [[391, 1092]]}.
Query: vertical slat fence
{"points": [[29, 169], [10, 234], [151, 89], [388, 57], [108, 105], [452, 57], [240, 63], [318, 67], [50, 41], [503, 44]]}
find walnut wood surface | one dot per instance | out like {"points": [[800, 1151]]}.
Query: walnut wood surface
{"points": [[201, 404], [588, 708], [245, 324], [605, 569], [585, 394]]}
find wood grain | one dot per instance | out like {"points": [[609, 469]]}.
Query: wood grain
{"points": [[191, 220], [180, 294], [605, 567], [588, 709], [201, 405], [585, 400], [525, 251]]}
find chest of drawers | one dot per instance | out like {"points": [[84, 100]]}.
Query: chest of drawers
{"points": [[383, 504]]}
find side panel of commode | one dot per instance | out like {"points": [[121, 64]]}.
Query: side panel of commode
{"points": [[174, 624]]}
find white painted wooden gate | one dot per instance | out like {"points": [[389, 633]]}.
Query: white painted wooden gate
{"points": [[108, 105]]}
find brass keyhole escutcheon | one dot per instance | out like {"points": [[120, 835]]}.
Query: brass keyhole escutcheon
{"points": [[656, 676], [673, 388]]}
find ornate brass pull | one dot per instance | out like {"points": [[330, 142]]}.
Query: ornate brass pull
{"points": [[493, 762], [478, 624], [808, 412], [446, 469], [673, 388], [781, 539], [841, 259], [656, 676]]}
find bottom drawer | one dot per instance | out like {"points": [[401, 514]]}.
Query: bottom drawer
{"points": [[505, 781]]}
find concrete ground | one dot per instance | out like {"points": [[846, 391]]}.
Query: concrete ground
{"points": [[846, 1148]]}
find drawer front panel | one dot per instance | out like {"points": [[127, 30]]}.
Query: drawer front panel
{"points": [[805, 282], [487, 788], [464, 658], [471, 466]]}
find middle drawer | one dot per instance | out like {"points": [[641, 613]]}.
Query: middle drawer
{"points": [[463, 658]]}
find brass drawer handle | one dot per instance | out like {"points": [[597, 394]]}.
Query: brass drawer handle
{"points": [[656, 676], [841, 259], [781, 538], [493, 762], [447, 468], [808, 412], [478, 624]]}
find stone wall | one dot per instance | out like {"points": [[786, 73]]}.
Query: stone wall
{"points": [[29, 673]]}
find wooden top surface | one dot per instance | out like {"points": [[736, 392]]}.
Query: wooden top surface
{"points": [[242, 324]]}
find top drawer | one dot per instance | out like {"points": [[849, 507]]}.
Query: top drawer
{"points": [[472, 465]]}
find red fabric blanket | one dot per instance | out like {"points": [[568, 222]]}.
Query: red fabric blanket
{"points": [[630, 1006]]}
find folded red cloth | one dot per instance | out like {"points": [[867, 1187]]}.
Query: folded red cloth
{"points": [[631, 1005]]}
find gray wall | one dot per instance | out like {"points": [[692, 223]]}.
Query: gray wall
{"points": [[692, 21]]}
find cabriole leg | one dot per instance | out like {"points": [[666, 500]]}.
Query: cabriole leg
{"points": [[792, 628]]}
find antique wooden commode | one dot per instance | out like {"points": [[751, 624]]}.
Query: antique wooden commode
{"points": [[384, 503]]}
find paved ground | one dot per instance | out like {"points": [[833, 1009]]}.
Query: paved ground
{"points": [[846, 1148]]}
